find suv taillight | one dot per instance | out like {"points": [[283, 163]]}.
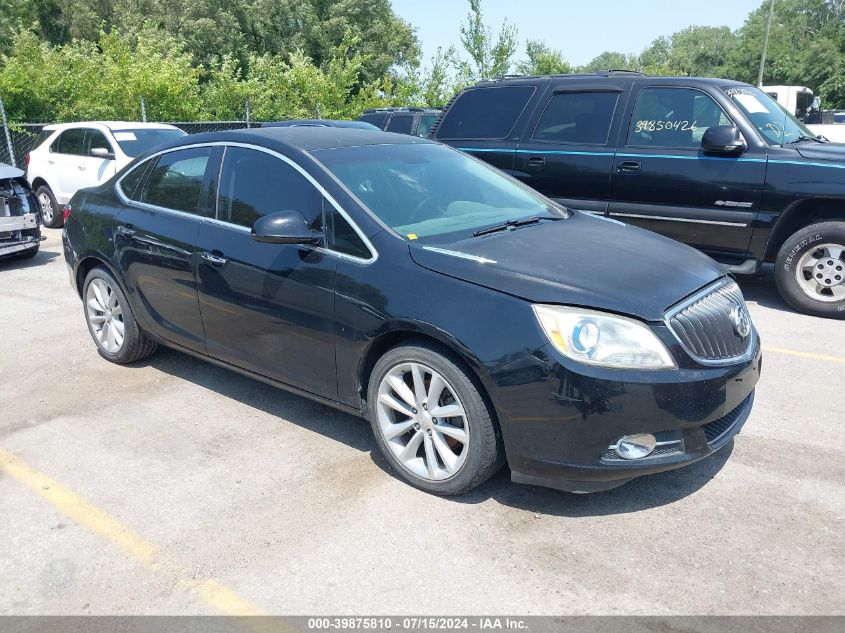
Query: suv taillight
{"points": [[65, 212], [26, 160]]}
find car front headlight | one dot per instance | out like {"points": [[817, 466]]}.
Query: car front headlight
{"points": [[602, 339]]}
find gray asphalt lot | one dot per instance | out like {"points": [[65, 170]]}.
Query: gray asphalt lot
{"points": [[176, 487]]}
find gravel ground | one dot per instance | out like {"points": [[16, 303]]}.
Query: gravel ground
{"points": [[176, 487]]}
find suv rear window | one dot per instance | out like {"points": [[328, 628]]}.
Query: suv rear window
{"points": [[485, 113]]}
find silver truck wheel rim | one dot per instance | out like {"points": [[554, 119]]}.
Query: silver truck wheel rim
{"points": [[46, 207], [105, 316], [422, 421], [821, 273]]}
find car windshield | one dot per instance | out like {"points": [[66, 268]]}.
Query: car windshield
{"points": [[430, 192], [137, 141], [775, 123]]}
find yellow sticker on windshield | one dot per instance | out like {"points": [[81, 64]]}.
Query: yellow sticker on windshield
{"points": [[412, 236]]}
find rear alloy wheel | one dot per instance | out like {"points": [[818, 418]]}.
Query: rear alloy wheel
{"points": [[810, 270], [431, 422], [110, 320], [51, 216]]}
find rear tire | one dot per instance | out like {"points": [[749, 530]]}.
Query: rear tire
{"points": [[445, 454], [810, 270], [110, 320], [51, 215]]}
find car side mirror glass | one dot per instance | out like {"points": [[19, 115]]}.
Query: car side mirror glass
{"points": [[285, 227], [101, 152], [723, 139]]}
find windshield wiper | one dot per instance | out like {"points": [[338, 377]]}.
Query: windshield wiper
{"points": [[512, 224], [804, 138]]}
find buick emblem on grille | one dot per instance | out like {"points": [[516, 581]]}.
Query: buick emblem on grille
{"points": [[741, 321]]}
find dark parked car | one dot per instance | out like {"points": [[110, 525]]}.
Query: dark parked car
{"points": [[713, 163], [467, 317], [413, 121], [20, 215], [361, 125]]}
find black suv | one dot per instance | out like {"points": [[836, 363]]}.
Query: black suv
{"points": [[413, 121], [713, 163]]}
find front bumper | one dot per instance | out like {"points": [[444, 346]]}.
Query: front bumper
{"points": [[560, 419], [14, 226]]}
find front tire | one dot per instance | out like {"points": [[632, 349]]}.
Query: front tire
{"points": [[51, 215], [110, 320], [431, 422], [810, 270]]}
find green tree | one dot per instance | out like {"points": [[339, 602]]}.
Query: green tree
{"points": [[611, 60], [488, 57], [543, 60]]}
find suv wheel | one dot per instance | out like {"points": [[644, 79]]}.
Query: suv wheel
{"points": [[110, 320], [51, 215], [810, 270], [431, 422]]}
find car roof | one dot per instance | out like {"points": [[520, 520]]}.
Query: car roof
{"points": [[610, 74], [319, 123], [303, 138], [112, 125]]}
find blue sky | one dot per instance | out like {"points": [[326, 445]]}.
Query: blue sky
{"points": [[581, 29]]}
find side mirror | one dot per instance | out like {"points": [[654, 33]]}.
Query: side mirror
{"points": [[101, 152], [723, 139], [285, 227]]}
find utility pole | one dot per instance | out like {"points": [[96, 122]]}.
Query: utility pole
{"points": [[766, 43]]}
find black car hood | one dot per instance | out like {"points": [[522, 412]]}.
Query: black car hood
{"points": [[826, 151], [583, 261]]}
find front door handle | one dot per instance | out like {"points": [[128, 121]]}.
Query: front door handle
{"points": [[81, 167], [535, 162], [214, 260], [125, 230], [629, 166]]}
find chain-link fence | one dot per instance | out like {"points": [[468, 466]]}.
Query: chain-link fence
{"points": [[19, 139]]}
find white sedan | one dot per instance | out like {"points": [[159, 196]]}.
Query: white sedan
{"points": [[71, 156]]}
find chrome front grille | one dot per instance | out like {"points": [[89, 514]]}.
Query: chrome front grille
{"points": [[707, 325]]}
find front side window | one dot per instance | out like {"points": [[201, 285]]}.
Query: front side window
{"points": [[577, 117], [71, 142], [95, 138], [772, 121], [485, 113], [673, 117], [429, 192], [176, 181], [254, 184]]}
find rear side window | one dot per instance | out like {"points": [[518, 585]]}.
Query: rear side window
{"points": [[129, 183], [577, 117], [485, 113], [70, 142], [341, 237], [176, 181], [377, 118], [400, 123], [254, 184]]}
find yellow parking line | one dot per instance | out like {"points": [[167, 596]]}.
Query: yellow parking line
{"points": [[137, 547], [793, 352]]}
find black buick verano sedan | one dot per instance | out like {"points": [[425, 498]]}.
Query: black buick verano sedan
{"points": [[471, 320]]}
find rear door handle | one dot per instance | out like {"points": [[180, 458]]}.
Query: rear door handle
{"points": [[125, 229], [214, 260], [535, 162], [628, 166], [81, 167]]}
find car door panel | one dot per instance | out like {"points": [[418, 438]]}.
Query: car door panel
{"points": [[664, 181], [268, 308], [156, 245]]}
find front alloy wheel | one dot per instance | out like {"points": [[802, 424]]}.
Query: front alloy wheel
{"points": [[821, 273], [431, 419], [422, 421]]}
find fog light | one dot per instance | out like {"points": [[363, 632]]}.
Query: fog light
{"points": [[635, 446]]}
